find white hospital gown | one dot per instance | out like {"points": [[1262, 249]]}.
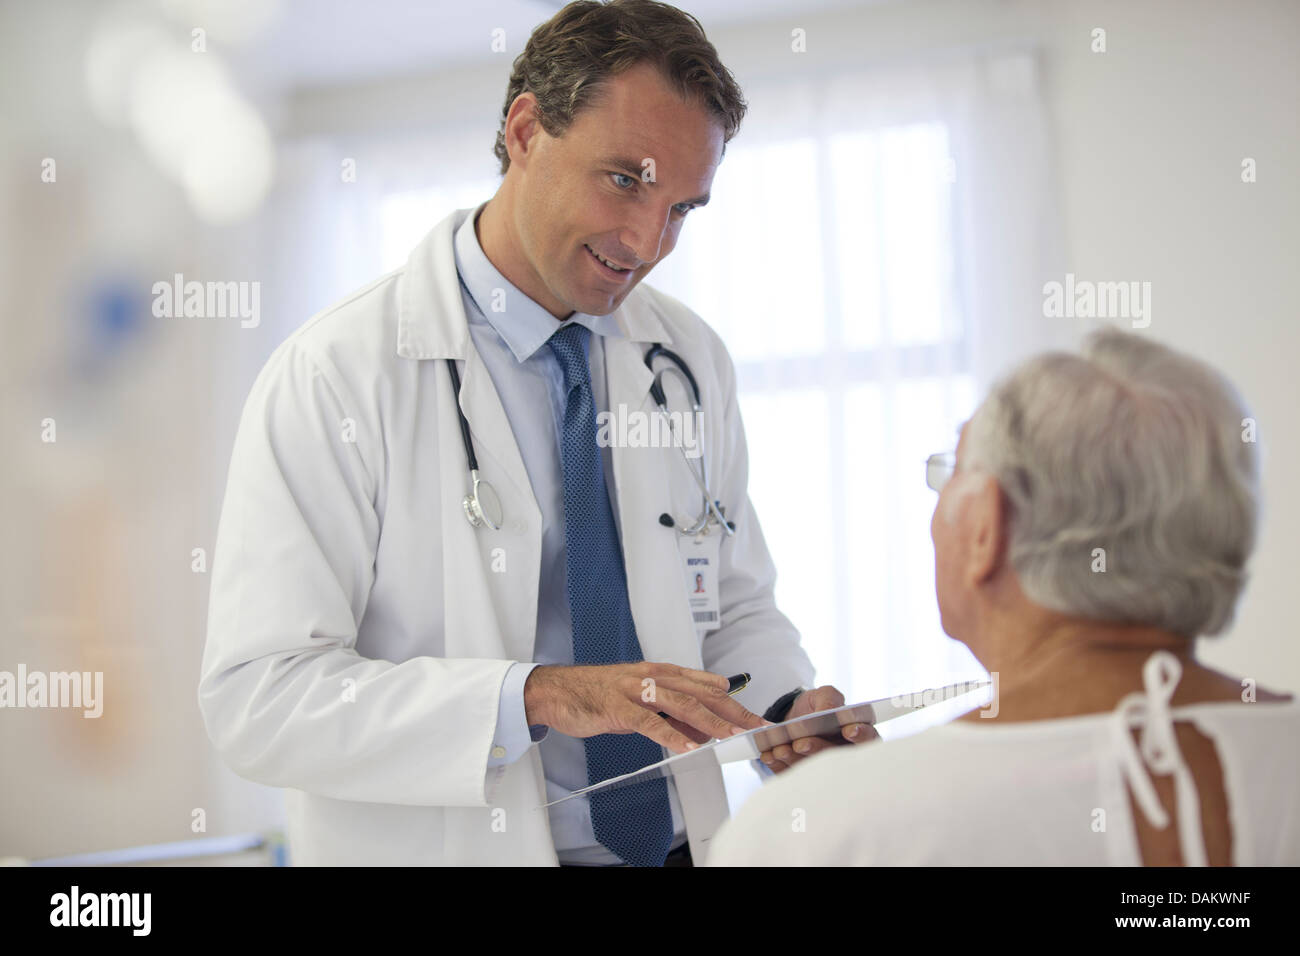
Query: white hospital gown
{"points": [[1046, 792]]}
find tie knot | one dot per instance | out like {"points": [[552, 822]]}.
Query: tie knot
{"points": [[570, 347]]}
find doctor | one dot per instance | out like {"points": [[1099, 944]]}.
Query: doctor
{"points": [[420, 676]]}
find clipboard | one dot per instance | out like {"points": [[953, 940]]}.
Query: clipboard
{"points": [[751, 743]]}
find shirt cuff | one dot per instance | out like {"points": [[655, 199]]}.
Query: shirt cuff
{"points": [[513, 735]]}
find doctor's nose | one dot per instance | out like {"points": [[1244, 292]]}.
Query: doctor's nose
{"points": [[645, 235]]}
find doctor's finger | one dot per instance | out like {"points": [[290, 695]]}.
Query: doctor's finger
{"points": [[650, 724], [696, 735], [779, 761], [807, 746], [716, 699], [785, 754], [859, 733], [691, 710], [822, 698]]}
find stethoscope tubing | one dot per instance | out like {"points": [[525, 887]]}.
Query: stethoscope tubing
{"points": [[475, 513], [464, 424], [473, 505]]}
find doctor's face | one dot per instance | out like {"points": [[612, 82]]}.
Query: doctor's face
{"points": [[618, 184]]}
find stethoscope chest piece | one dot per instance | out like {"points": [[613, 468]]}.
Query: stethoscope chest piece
{"points": [[482, 506]]}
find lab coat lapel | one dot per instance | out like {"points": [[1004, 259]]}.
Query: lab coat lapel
{"points": [[499, 460], [650, 552], [432, 325]]}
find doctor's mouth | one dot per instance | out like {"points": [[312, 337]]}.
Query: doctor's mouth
{"points": [[609, 268]]}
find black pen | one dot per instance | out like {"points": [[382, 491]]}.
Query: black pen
{"points": [[734, 686]]}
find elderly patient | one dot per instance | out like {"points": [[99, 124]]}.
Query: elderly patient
{"points": [[1096, 520]]}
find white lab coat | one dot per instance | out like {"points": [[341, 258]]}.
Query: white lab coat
{"points": [[359, 628]]}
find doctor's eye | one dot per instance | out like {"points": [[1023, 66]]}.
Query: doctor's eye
{"points": [[624, 181]]}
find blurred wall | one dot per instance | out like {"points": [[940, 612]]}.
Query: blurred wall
{"points": [[1152, 137], [99, 525]]}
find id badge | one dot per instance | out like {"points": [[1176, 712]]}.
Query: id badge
{"points": [[700, 565]]}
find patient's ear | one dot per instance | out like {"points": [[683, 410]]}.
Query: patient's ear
{"points": [[988, 514]]}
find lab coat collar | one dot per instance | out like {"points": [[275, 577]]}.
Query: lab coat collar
{"points": [[523, 325], [431, 320]]}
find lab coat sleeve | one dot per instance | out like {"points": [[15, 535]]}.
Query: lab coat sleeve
{"points": [[754, 637], [286, 699]]}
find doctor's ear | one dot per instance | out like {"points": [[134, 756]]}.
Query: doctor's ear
{"points": [[522, 127]]}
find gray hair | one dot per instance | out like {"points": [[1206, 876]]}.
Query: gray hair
{"points": [[1135, 449]]}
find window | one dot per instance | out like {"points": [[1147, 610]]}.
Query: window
{"points": [[829, 267], [406, 217]]}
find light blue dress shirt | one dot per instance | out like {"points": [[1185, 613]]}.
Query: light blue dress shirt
{"points": [[530, 382]]}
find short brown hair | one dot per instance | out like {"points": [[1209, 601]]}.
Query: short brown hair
{"points": [[569, 57]]}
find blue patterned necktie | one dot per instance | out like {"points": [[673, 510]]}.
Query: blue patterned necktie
{"points": [[635, 821]]}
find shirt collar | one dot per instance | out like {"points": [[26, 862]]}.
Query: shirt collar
{"points": [[524, 325]]}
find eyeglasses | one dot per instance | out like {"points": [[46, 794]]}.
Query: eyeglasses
{"points": [[939, 468]]}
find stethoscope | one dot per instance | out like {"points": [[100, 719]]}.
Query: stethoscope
{"points": [[483, 506], [713, 510]]}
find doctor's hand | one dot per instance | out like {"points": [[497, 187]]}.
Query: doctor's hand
{"points": [[586, 700], [785, 756]]}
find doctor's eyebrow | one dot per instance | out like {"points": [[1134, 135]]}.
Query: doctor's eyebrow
{"points": [[633, 168]]}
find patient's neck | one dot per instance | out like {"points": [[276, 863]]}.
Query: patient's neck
{"points": [[1049, 665]]}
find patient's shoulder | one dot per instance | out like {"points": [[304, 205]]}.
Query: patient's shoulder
{"points": [[1202, 684]]}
